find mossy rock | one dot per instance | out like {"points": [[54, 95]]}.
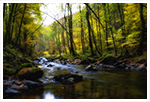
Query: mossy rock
{"points": [[30, 73], [25, 65], [109, 60]]}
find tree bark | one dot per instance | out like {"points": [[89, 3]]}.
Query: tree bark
{"points": [[93, 36], [70, 30], [106, 26], [82, 32], [8, 28], [89, 29], [21, 24], [110, 26], [142, 34]]}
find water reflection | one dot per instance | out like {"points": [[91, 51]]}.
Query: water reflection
{"points": [[117, 84], [48, 95]]}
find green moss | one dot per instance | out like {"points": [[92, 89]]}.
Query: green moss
{"points": [[25, 65], [30, 73]]}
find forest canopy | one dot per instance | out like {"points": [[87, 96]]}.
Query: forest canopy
{"points": [[97, 28]]}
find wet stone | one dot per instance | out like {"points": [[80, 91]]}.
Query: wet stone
{"points": [[9, 83], [68, 78], [91, 68]]}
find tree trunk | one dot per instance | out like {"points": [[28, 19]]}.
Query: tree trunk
{"points": [[8, 28], [21, 24], [89, 30], [121, 12], [70, 30], [106, 26], [142, 34], [4, 6], [110, 27], [99, 32], [14, 17], [82, 32], [93, 36]]}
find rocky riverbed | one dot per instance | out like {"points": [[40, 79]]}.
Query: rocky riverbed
{"points": [[64, 72]]}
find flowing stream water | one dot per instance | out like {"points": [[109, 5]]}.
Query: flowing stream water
{"points": [[113, 84]]}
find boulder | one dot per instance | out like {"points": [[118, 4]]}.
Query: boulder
{"points": [[105, 67], [19, 87], [50, 65], [119, 65], [30, 84], [68, 78], [141, 67], [91, 68], [30, 73], [108, 60], [9, 83], [63, 62], [11, 91]]}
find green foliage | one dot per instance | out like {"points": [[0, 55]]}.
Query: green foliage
{"points": [[25, 65]]}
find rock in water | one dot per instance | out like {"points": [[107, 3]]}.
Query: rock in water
{"points": [[9, 93], [91, 68], [141, 67], [50, 65], [68, 78]]}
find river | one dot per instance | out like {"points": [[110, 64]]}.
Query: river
{"points": [[111, 84]]}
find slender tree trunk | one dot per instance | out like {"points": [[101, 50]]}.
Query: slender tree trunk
{"points": [[62, 33], [93, 36], [99, 32], [70, 30], [142, 34], [94, 14], [14, 17], [21, 24], [82, 32], [25, 39], [89, 30], [112, 32], [4, 6], [8, 28], [121, 12], [63, 41], [106, 26]]}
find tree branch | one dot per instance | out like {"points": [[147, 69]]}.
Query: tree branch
{"points": [[95, 15], [38, 27], [59, 23]]}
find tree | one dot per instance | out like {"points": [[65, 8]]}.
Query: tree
{"points": [[89, 30], [111, 29], [82, 32], [70, 29], [142, 34]]}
